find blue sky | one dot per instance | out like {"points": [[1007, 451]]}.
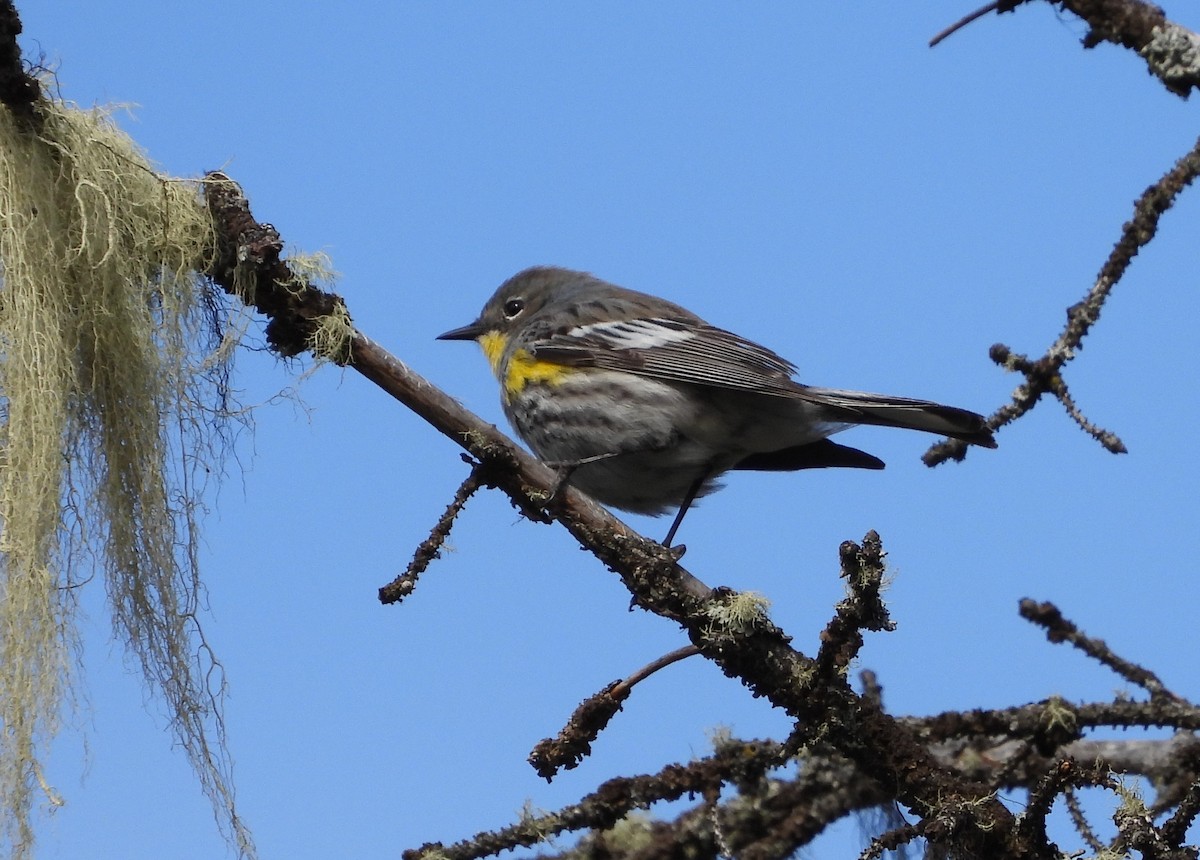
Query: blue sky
{"points": [[809, 175]]}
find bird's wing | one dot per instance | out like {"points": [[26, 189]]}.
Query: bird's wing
{"points": [[700, 354], [676, 350]]}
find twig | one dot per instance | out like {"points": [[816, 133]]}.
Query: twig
{"points": [[1041, 800], [1082, 827], [1171, 52], [968, 18], [574, 741], [650, 668], [863, 608], [1064, 775], [1028, 721], [612, 801], [1059, 629], [893, 840], [1175, 828], [1107, 439], [872, 690], [430, 548], [1043, 376]]}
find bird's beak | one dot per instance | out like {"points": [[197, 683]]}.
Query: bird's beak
{"points": [[467, 332]]}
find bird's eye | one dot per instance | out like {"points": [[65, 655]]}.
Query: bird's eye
{"points": [[513, 307]]}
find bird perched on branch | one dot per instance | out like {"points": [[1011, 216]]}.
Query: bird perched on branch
{"points": [[642, 404]]}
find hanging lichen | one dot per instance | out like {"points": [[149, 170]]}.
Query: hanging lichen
{"points": [[113, 416]]}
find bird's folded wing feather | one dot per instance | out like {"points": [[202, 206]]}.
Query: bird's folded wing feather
{"points": [[676, 350], [697, 353]]}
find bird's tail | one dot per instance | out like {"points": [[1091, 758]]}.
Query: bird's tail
{"points": [[859, 407]]}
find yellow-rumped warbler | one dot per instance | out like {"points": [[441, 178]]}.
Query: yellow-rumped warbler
{"points": [[644, 404]]}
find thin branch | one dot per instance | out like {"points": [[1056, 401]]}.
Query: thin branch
{"points": [[1043, 376], [1107, 439], [1171, 52], [248, 265], [1059, 629], [1064, 774], [872, 690], [430, 548], [994, 6], [1175, 829], [655, 665], [893, 840], [1082, 826], [574, 741], [612, 801], [863, 609]]}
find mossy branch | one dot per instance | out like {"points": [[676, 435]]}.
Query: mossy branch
{"points": [[115, 416]]}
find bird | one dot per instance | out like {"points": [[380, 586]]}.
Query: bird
{"points": [[643, 405]]}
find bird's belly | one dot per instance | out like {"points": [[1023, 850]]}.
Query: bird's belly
{"points": [[652, 440], [642, 432]]}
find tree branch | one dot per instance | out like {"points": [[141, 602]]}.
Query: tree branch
{"points": [[1171, 52], [574, 742], [1043, 376], [19, 91], [1059, 629], [431, 547]]}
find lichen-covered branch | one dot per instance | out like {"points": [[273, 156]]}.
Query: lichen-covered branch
{"points": [[1171, 52], [574, 741], [900, 760], [19, 91], [114, 379]]}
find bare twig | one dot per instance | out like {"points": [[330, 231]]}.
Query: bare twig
{"points": [[430, 548], [574, 742], [661, 663], [893, 840], [1107, 439], [995, 6], [1175, 829], [1043, 376], [248, 265], [1063, 775], [1082, 827], [872, 690], [1059, 629]]}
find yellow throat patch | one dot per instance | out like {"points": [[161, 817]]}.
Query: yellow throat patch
{"points": [[522, 367]]}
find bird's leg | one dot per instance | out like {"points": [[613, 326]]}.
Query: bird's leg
{"points": [[566, 468], [690, 497]]}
